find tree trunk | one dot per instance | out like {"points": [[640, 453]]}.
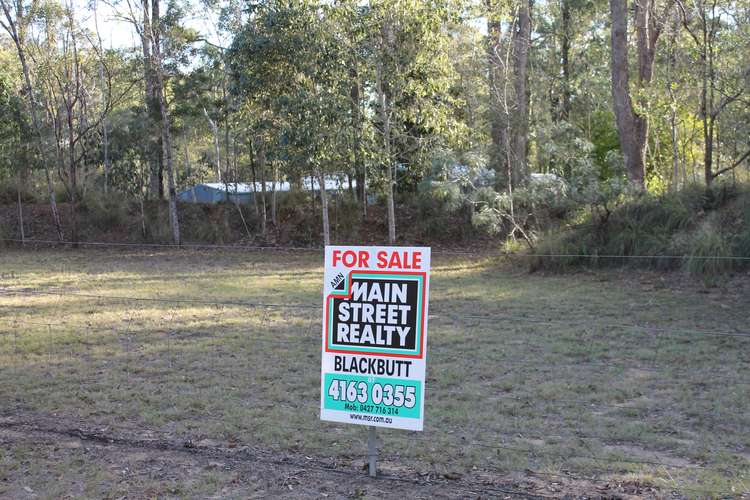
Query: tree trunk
{"points": [[520, 117], [18, 39], [630, 127], [107, 166], [70, 104], [144, 231], [707, 106], [383, 101], [359, 164], [675, 152], [225, 99], [187, 158], [217, 151], [386, 124], [324, 206], [364, 191], [509, 94], [255, 181], [496, 81], [154, 147], [262, 168], [105, 121], [671, 61], [565, 59], [20, 212], [166, 134], [708, 151], [72, 177], [274, 187]]}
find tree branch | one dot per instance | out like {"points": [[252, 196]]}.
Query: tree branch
{"points": [[733, 165]]}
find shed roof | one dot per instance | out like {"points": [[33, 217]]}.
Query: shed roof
{"points": [[331, 184]]}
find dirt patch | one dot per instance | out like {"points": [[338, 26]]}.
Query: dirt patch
{"points": [[59, 458]]}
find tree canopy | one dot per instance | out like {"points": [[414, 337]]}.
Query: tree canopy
{"points": [[386, 94]]}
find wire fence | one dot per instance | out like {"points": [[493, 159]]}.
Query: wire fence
{"points": [[319, 249], [520, 392]]}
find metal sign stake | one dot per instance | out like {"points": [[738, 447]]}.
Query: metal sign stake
{"points": [[372, 450]]}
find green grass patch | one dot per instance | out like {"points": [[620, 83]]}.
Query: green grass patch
{"points": [[600, 374]]}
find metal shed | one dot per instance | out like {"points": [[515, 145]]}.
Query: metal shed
{"points": [[216, 192], [242, 193]]}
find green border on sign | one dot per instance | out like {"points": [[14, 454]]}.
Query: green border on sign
{"points": [[373, 409]]}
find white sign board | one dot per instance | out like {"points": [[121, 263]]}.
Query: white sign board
{"points": [[375, 303]]}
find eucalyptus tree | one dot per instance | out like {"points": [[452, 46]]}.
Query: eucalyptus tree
{"points": [[349, 17], [164, 43], [15, 139], [413, 107], [76, 88], [256, 59], [18, 16], [713, 27], [631, 114], [509, 40], [288, 62]]}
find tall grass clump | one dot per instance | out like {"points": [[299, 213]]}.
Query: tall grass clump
{"points": [[710, 252], [695, 228], [104, 212]]}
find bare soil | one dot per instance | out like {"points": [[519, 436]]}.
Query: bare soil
{"points": [[98, 463]]}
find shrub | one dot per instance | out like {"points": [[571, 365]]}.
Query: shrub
{"points": [[695, 228], [104, 211], [524, 214], [9, 193], [158, 230], [345, 215], [741, 243], [709, 252], [442, 211], [4, 235]]}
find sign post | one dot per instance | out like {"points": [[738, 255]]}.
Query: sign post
{"points": [[372, 450], [375, 309]]}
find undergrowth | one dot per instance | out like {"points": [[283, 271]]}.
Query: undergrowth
{"points": [[694, 229]]}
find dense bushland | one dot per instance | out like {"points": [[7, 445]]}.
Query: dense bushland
{"points": [[696, 229]]}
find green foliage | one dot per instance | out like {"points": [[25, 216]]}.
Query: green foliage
{"points": [[207, 224], [304, 74], [156, 215], [302, 82], [442, 211], [15, 153], [547, 200], [9, 193], [710, 252], [605, 141], [694, 228], [104, 213], [440, 196]]}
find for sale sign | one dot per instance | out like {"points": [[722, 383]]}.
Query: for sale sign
{"points": [[375, 336]]}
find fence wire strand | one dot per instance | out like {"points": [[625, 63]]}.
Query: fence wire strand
{"points": [[319, 249]]}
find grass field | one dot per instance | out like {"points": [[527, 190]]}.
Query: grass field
{"points": [[616, 381]]}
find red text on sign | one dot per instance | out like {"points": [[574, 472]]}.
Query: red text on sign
{"points": [[399, 260], [350, 258]]}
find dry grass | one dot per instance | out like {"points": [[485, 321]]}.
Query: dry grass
{"points": [[607, 375]]}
